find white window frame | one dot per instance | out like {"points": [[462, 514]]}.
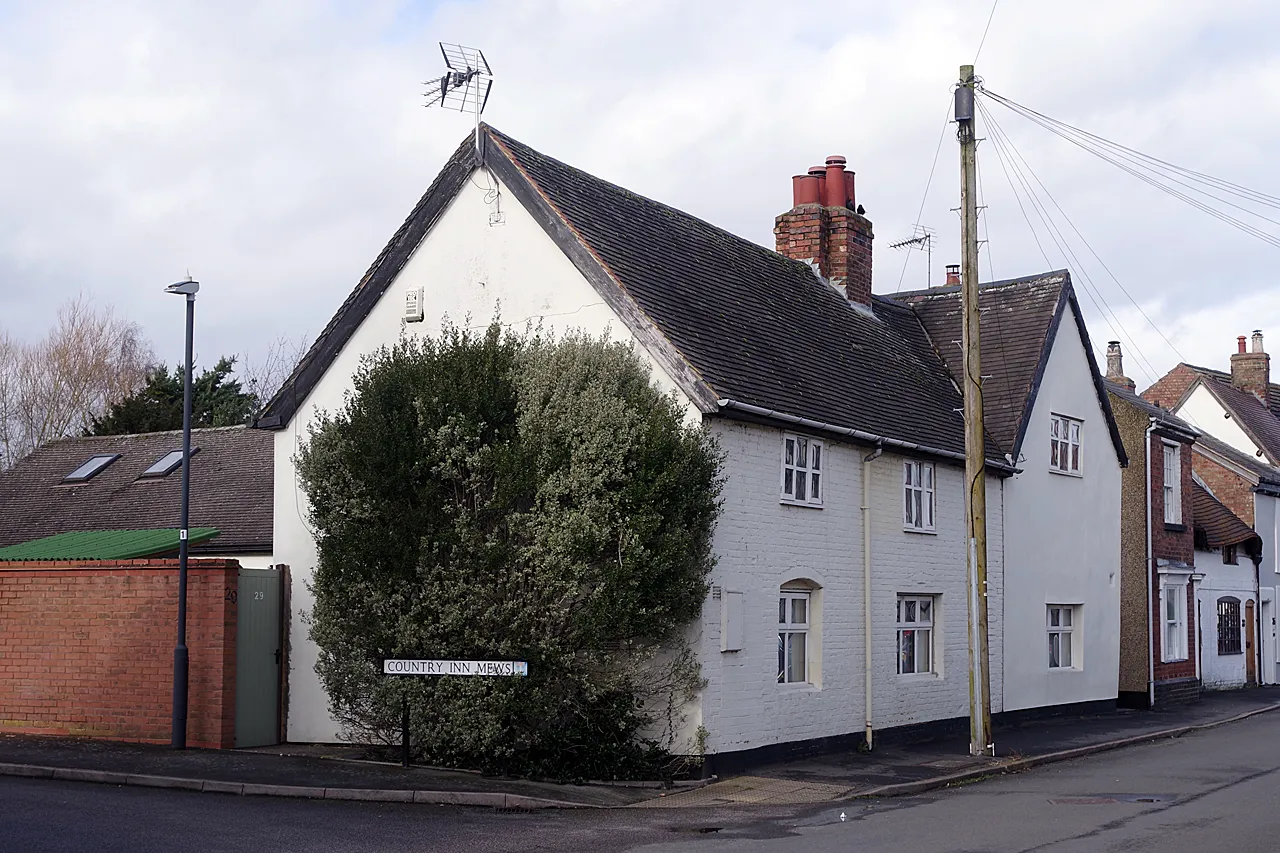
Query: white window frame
{"points": [[923, 633], [919, 494], [804, 462], [1061, 621], [791, 632], [1173, 623], [1172, 483], [1066, 445]]}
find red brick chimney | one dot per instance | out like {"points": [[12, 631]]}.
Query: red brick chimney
{"points": [[822, 227], [953, 274], [1251, 371]]}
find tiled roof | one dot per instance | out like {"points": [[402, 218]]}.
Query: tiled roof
{"points": [[1162, 416], [757, 327], [1216, 524], [1018, 322], [736, 325], [1266, 474], [231, 489], [1257, 420]]}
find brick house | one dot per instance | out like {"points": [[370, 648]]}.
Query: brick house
{"points": [[1158, 616], [841, 548], [1235, 459]]}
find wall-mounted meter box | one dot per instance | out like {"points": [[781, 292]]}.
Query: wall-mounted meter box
{"points": [[413, 307]]}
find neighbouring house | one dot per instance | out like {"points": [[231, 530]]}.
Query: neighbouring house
{"points": [[841, 546], [1159, 617], [134, 483], [1235, 459], [1227, 553]]}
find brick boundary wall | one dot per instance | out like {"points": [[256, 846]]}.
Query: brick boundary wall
{"points": [[86, 649]]}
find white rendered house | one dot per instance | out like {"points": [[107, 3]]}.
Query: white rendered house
{"points": [[838, 604]]}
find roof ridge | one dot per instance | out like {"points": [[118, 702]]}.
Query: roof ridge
{"points": [[982, 285], [121, 435], [684, 214]]}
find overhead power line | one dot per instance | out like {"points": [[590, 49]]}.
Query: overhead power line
{"points": [[1020, 173]]}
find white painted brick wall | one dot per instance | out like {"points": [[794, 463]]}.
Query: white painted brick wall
{"points": [[761, 544]]}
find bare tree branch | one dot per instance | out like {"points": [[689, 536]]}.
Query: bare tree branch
{"points": [[54, 387]]}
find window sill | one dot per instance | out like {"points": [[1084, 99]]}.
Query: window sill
{"points": [[800, 687], [1066, 669], [792, 502], [1175, 528], [928, 531], [1076, 474], [919, 676], [1174, 660]]}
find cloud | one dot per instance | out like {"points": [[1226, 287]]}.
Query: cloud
{"points": [[272, 148]]}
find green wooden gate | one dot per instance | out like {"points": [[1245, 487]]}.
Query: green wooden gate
{"points": [[258, 655]]}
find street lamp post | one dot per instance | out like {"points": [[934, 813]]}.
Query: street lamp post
{"points": [[178, 740]]}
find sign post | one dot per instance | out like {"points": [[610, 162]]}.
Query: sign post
{"points": [[484, 668]]}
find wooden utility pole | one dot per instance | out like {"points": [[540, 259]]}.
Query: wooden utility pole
{"points": [[975, 445]]}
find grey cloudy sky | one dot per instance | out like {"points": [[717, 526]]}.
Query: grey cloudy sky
{"points": [[273, 147]]}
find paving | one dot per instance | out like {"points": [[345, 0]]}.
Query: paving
{"points": [[339, 772]]}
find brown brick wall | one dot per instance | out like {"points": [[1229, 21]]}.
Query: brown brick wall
{"points": [[1168, 389], [1234, 491], [86, 649], [1168, 542]]}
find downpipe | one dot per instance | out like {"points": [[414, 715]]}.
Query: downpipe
{"points": [[866, 585]]}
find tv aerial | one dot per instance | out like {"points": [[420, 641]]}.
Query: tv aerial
{"points": [[466, 84], [923, 239]]}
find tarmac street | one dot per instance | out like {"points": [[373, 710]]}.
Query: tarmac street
{"points": [[1213, 790]]}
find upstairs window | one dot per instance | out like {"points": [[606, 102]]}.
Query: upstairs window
{"points": [[167, 464], [918, 496], [1064, 445], [802, 461], [94, 466], [1172, 484]]}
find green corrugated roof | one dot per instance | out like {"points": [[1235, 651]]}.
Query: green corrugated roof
{"points": [[104, 544]]}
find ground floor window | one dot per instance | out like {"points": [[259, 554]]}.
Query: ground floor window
{"points": [[1229, 626], [793, 636], [1061, 626], [1174, 621], [915, 620]]}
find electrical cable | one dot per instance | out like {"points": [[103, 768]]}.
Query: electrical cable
{"points": [[1091, 289], [927, 184], [1006, 150], [986, 30]]}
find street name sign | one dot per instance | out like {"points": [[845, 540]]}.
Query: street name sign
{"points": [[455, 667]]}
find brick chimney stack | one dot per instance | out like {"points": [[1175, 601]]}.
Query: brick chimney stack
{"points": [[1251, 371], [953, 275], [823, 227], [1115, 366]]}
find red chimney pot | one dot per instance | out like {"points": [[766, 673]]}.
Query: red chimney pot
{"points": [[1240, 344], [835, 192], [804, 190]]}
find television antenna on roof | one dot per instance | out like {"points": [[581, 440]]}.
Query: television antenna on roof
{"points": [[465, 85], [923, 239]]}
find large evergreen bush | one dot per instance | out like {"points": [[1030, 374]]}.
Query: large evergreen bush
{"points": [[498, 497]]}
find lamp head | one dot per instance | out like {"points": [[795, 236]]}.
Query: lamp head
{"points": [[186, 288]]}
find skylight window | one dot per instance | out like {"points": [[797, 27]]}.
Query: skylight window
{"points": [[91, 468], [167, 464]]}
